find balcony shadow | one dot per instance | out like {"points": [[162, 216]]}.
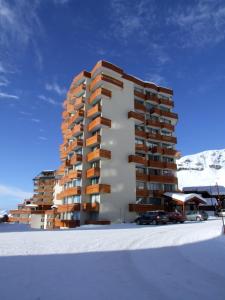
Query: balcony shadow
{"points": [[191, 271]]}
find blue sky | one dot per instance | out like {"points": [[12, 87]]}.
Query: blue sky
{"points": [[43, 44]]}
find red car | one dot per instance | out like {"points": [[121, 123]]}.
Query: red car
{"points": [[176, 217]]}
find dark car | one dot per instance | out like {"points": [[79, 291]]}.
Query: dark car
{"points": [[152, 217], [176, 217], [204, 215]]}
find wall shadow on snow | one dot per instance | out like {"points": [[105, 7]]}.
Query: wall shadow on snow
{"points": [[148, 274]]}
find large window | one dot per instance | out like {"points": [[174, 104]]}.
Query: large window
{"points": [[95, 198]]}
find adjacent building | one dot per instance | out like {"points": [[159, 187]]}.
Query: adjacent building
{"points": [[119, 147]]}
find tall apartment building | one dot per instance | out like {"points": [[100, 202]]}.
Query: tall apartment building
{"points": [[118, 151], [37, 210]]}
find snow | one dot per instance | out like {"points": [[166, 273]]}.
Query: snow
{"points": [[122, 261], [184, 197], [202, 169]]}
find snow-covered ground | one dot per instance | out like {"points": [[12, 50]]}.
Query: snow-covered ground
{"points": [[185, 261], [202, 169]]}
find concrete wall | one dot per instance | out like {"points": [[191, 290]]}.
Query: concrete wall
{"points": [[36, 221], [120, 140]]}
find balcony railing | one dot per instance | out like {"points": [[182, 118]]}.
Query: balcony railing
{"points": [[69, 192], [98, 188], [144, 207], [99, 122], [163, 179], [99, 93], [159, 112], [93, 140], [90, 207], [93, 172], [137, 159], [94, 111], [98, 154], [66, 208], [136, 116]]}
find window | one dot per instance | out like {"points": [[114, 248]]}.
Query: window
{"points": [[169, 187], [95, 198], [95, 180]]}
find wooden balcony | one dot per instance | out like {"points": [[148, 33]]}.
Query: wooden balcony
{"points": [[76, 158], [136, 116], [70, 176], [139, 106], [152, 98], [99, 122], [101, 78], [94, 111], [166, 102], [141, 133], [157, 150], [79, 102], [93, 172], [161, 165], [90, 207], [141, 176], [162, 113], [65, 115], [139, 95], [98, 154], [169, 152], [68, 223], [80, 78], [98, 188], [162, 179], [93, 140], [159, 137], [66, 208], [69, 192], [137, 159], [170, 139], [157, 124], [77, 117], [77, 130], [99, 93], [78, 91], [142, 192], [141, 148], [76, 144], [140, 208]]}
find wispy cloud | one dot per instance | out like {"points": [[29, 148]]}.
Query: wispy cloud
{"points": [[48, 100], [61, 1], [132, 20], [20, 26], [8, 96], [42, 138], [19, 21], [156, 78], [6, 190], [3, 81], [2, 68], [200, 24], [25, 113], [35, 120], [55, 88]]}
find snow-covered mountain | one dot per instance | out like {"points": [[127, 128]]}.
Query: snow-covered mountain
{"points": [[201, 169]]}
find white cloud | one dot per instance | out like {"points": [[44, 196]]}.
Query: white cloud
{"points": [[14, 192], [42, 138], [8, 96], [3, 81], [48, 100], [55, 88], [132, 20], [156, 78], [19, 21], [200, 24], [25, 113], [35, 120]]}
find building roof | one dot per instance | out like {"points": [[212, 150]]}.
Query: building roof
{"points": [[185, 197]]}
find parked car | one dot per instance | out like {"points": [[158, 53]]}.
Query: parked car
{"points": [[176, 217], [220, 212], [152, 217], [196, 216], [204, 214]]}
